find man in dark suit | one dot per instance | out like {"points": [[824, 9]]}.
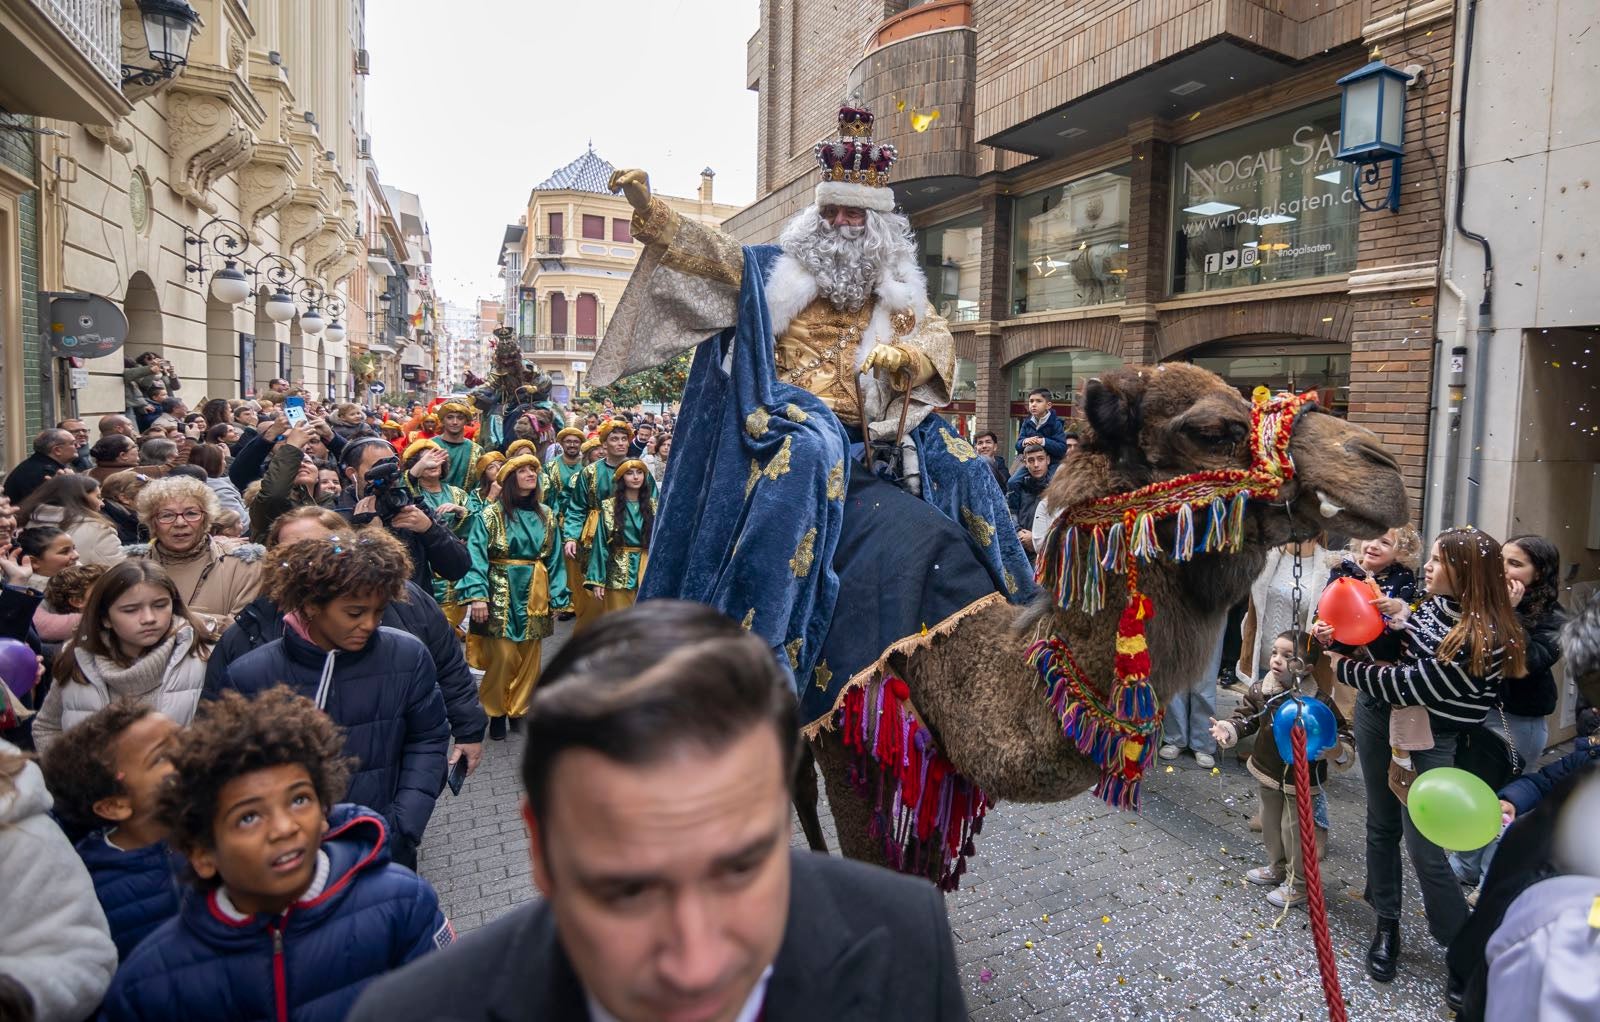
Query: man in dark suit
{"points": [[660, 747], [53, 451]]}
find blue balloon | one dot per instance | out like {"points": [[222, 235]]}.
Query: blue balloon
{"points": [[1322, 731]]}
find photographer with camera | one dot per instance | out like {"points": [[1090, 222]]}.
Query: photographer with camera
{"points": [[378, 488]]}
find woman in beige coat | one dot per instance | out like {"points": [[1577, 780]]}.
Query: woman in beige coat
{"points": [[216, 577]]}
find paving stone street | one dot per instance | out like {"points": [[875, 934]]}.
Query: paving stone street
{"points": [[1070, 911]]}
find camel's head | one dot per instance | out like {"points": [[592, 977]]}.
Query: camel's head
{"points": [[1149, 424]]}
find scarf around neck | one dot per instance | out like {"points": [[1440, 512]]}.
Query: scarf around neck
{"points": [[145, 674]]}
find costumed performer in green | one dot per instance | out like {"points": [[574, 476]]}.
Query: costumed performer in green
{"points": [[621, 549], [518, 580]]}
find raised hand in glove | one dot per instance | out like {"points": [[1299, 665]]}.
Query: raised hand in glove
{"points": [[634, 186]]}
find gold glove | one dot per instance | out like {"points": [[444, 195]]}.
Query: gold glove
{"points": [[634, 185], [888, 357]]}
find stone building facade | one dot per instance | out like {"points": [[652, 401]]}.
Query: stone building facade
{"points": [[1136, 181], [569, 259], [263, 128]]}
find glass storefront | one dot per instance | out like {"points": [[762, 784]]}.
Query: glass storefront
{"points": [[1263, 203], [1069, 244], [962, 411], [952, 256], [1318, 366], [1062, 373]]}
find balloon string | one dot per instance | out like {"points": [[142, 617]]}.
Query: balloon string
{"points": [[1316, 904]]}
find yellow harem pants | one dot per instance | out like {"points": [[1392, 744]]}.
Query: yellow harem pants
{"points": [[511, 671], [583, 602]]}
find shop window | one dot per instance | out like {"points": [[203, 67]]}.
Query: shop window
{"points": [[1264, 203], [1069, 244], [594, 227], [1322, 368], [1062, 373], [952, 257], [621, 230]]}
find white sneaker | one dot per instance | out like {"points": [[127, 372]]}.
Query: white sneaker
{"points": [[1264, 876], [1205, 759], [1285, 896], [1169, 751]]}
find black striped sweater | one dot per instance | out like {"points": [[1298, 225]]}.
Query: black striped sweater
{"points": [[1452, 694]]}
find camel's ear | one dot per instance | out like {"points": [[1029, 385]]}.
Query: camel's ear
{"points": [[1113, 411]]}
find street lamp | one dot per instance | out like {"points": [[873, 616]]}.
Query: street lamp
{"points": [[311, 321], [1372, 125], [227, 239], [168, 31], [280, 306]]}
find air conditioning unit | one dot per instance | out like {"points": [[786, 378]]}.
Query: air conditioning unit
{"points": [[364, 147], [363, 62]]}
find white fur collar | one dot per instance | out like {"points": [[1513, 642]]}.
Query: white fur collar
{"points": [[790, 287]]}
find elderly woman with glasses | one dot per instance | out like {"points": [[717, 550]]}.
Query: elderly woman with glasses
{"points": [[217, 577]]}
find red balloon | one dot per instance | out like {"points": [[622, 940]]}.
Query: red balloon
{"points": [[1347, 605]]}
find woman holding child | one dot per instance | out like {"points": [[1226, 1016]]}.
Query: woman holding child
{"points": [[1459, 642]]}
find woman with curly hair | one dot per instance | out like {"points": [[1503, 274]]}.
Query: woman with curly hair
{"points": [[135, 638], [296, 907], [378, 683], [218, 578], [622, 540], [517, 581]]}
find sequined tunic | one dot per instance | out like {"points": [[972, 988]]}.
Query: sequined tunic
{"points": [[517, 569], [616, 562], [443, 589], [818, 352]]}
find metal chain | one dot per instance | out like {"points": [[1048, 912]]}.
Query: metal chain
{"points": [[1296, 595]]}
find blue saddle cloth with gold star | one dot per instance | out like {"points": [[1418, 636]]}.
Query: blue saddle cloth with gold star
{"points": [[765, 516]]}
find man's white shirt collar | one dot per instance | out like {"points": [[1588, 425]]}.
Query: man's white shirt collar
{"points": [[749, 1013]]}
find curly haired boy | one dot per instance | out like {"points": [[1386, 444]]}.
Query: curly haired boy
{"points": [[298, 906]]}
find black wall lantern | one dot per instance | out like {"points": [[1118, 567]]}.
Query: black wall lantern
{"points": [[1372, 127], [168, 30]]}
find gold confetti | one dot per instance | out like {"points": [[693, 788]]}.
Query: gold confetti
{"points": [[1099, 949], [1248, 935], [922, 122], [1104, 920], [1216, 771], [1169, 770], [1028, 944], [1122, 981], [1045, 918], [899, 106], [1224, 849]]}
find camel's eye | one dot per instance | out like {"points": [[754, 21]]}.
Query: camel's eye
{"points": [[1218, 436]]}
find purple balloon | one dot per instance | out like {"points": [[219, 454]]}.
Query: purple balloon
{"points": [[18, 666]]}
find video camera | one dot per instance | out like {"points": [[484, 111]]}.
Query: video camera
{"points": [[387, 485]]}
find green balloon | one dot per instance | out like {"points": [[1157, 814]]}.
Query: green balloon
{"points": [[1454, 809]]}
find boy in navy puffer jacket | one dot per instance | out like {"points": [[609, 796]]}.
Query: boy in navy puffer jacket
{"points": [[298, 907], [106, 774]]}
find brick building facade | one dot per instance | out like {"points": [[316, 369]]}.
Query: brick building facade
{"points": [[1136, 181]]}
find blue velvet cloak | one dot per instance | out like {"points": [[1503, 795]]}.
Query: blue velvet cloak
{"points": [[753, 508]]}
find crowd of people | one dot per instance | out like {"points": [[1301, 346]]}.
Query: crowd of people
{"points": [[271, 634]]}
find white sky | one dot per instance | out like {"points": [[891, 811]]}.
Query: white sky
{"points": [[473, 102]]}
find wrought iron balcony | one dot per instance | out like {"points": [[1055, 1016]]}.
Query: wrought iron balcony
{"points": [[546, 246]]}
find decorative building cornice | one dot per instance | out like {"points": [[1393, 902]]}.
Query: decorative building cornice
{"points": [[266, 184], [212, 119], [1398, 277], [300, 218], [1413, 17], [110, 135]]}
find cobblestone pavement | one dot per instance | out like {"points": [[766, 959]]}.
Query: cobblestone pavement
{"points": [[1128, 917]]}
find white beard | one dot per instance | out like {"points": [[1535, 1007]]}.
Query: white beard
{"points": [[848, 263]]}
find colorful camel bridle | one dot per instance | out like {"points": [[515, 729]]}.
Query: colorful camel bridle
{"points": [[1113, 534]]}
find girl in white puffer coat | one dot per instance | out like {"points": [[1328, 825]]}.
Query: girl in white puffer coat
{"points": [[135, 639]]}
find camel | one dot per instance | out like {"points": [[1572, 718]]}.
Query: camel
{"points": [[973, 687]]}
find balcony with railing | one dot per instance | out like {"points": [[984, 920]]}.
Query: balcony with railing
{"points": [[547, 246], [63, 58]]}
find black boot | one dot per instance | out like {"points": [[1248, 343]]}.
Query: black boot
{"points": [[497, 729], [1383, 954], [516, 724], [1455, 993]]}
